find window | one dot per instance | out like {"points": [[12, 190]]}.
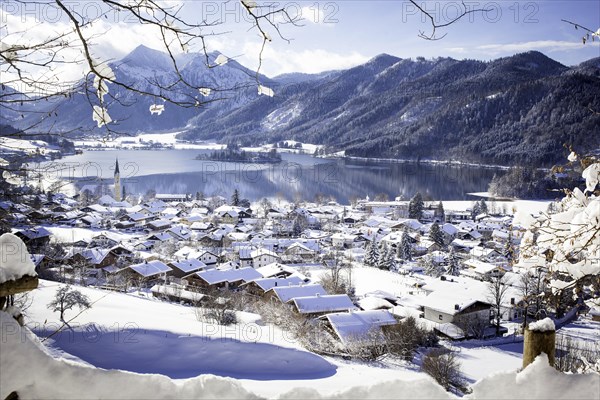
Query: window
{"points": [[441, 318]]}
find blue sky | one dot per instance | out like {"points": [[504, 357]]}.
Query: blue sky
{"points": [[344, 33]]}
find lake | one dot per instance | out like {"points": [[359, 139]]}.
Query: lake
{"points": [[299, 175]]}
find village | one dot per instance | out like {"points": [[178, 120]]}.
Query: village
{"points": [[349, 270]]}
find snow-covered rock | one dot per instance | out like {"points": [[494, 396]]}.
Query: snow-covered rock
{"points": [[15, 261]]}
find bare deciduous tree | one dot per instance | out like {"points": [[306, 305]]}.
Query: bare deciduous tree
{"points": [[66, 298], [496, 294]]}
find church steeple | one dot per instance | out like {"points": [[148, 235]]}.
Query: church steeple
{"points": [[117, 181]]}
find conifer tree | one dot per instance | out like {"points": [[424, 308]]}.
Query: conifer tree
{"points": [[416, 206], [436, 235]]}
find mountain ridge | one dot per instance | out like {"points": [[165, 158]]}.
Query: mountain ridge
{"points": [[511, 110]]}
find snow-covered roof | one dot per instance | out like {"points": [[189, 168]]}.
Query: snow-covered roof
{"points": [[359, 324], [262, 252], [323, 303], [269, 283], [151, 268], [274, 269], [215, 276], [374, 303], [286, 293], [176, 291], [189, 265]]}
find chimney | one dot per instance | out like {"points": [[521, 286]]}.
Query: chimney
{"points": [[457, 307]]}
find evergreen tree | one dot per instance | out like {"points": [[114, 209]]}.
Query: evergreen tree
{"points": [[483, 206], [371, 254], [200, 196], [440, 213], [124, 195], [453, 263], [436, 235], [432, 268], [415, 207], [405, 247], [475, 210], [296, 228], [383, 262], [235, 198]]}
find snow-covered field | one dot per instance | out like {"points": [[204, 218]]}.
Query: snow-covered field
{"points": [[136, 333]]}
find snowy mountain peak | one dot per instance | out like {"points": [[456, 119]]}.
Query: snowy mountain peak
{"points": [[147, 58]]}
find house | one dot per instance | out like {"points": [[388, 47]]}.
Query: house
{"points": [[34, 237], [343, 240], [481, 270], [314, 306], [215, 278], [262, 257], [298, 252], [284, 294], [150, 271], [359, 326], [259, 287], [275, 270], [180, 233], [174, 292], [443, 307], [186, 267], [159, 224], [483, 253]]}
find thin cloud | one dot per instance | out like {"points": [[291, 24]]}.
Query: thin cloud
{"points": [[542, 45]]}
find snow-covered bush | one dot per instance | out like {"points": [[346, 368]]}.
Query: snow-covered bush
{"points": [[444, 367]]}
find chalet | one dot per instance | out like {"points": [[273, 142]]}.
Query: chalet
{"points": [[442, 307], [259, 287], [232, 214], [342, 240], [359, 326], [201, 226], [411, 224], [174, 292], [138, 218], [298, 252], [262, 257], [284, 294], [96, 208], [35, 237], [314, 306], [245, 257], [106, 239], [275, 270], [180, 233], [481, 270], [159, 237], [91, 220], [215, 278], [150, 271], [159, 224], [483, 253], [186, 267]]}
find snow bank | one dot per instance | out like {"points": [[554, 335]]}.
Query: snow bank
{"points": [[543, 325], [538, 381], [15, 261], [59, 378]]}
